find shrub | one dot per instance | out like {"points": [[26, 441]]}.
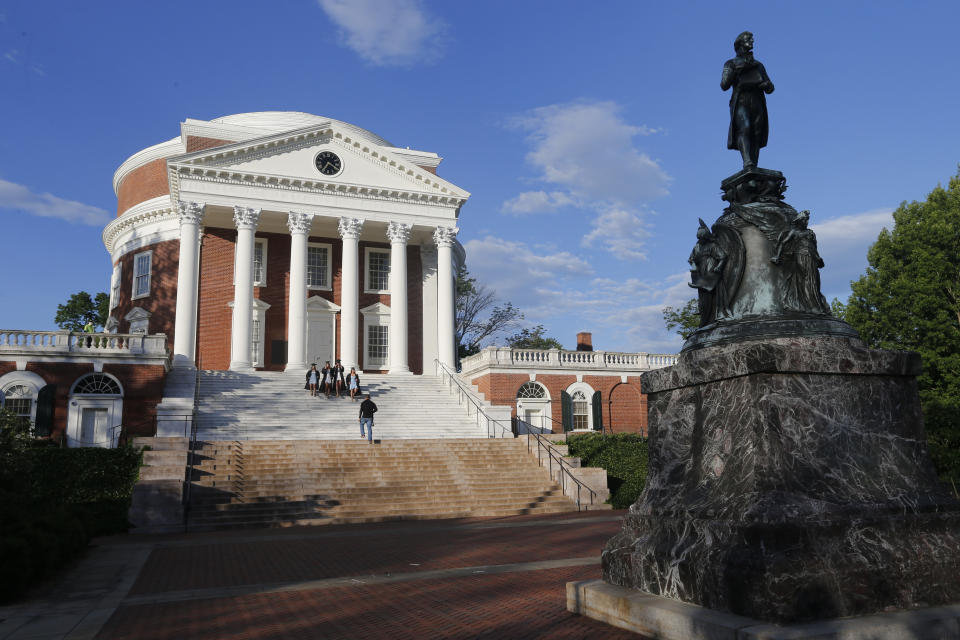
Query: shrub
{"points": [[942, 422], [623, 455]]}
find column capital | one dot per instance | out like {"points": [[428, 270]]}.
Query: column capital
{"points": [[445, 236], [299, 222], [190, 212], [246, 217], [398, 232], [350, 228]]}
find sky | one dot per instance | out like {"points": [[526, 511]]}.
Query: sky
{"points": [[592, 136]]}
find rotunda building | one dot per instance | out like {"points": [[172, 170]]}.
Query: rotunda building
{"points": [[273, 240]]}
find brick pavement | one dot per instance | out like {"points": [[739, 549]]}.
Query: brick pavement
{"points": [[407, 580]]}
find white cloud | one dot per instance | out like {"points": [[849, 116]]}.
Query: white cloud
{"points": [[16, 197], [387, 33], [587, 150], [843, 243], [858, 228], [537, 202]]}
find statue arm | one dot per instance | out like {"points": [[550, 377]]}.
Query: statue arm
{"points": [[729, 75], [767, 84]]}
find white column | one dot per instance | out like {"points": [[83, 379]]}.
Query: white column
{"points": [[446, 312], [398, 234], [185, 321], [299, 226], [428, 293], [350, 229], [245, 218]]}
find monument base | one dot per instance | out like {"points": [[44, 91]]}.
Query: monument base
{"points": [[666, 619], [789, 482]]}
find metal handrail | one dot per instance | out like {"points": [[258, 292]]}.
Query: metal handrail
{"points": [[191, 447], [565, 470], [464, 392]]}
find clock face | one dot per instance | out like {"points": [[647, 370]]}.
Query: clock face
{"points": [[328, 163]]}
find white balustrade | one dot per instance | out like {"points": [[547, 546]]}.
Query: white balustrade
{"points": [[55, 342], [505, 357]]}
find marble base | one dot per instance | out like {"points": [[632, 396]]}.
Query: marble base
{"points": [[789, 481], [666, 619], [741, 330]]}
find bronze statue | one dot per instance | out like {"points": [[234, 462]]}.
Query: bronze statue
{"points": [[748, 106], [707, 261], [802, 266]]}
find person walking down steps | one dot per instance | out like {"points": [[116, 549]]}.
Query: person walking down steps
{"points": [[353, 383], [367, 409], [313, 379]]}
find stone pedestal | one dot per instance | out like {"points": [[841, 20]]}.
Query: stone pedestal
{"points": [[789, 481]]}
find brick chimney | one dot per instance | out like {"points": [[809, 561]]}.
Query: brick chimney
{"points": [[584, 341]]}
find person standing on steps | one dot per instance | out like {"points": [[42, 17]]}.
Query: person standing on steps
{"points": [[367, 409], [327, 373], [338, 378], [353, 383], [313, 379]]}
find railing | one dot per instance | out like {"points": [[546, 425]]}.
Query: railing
{"points": [[16, 341], [191, 448], [554, 457], [562, 359], [491, 424]]}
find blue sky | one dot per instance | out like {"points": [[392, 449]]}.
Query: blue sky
{"points": [[591, 135]]}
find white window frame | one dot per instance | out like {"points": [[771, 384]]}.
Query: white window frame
{"points": [[257, 283], [329, 274], [115, 285], [259, 314], [366, 269], [137, 274], [77, 402], [588, 393], [378, 315]]}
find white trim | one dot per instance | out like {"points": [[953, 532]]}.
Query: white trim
{"points": [[366, 269], [73, 386], [587, 391], [543, 405], [137, 273], [27, 379], [318, 307], [166, 149], [115, 285], [258, 313], [329, 274], [256, 241], [377, 314]]}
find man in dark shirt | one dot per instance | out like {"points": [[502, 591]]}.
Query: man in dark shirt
{"points": [[367, 409]]}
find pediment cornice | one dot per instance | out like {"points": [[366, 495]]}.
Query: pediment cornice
{"points": [[222, 164]]}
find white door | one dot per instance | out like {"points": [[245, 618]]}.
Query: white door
{"points": [[534, 420], [93, 427], [320, 338]]}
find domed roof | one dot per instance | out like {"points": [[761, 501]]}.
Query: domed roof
{"points": [[277, 121]]}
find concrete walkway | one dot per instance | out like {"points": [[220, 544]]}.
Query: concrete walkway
{"points": [[494, 578]]}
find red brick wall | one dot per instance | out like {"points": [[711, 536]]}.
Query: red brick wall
{"points": [[216, 291], [275, 294], [143, 183], [199, 143], [624, 406], [162, 301]]}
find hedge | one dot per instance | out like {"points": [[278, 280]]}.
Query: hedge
{"points": [[623, 455], [52, 501]]}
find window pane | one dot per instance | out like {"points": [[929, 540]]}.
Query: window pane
{"points": [[18, 400], [580, 418], [377, 342], [317, 262], [141, 273], [255, 341], [379, 275], [258, 262]]}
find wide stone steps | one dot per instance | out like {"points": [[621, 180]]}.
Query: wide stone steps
{"points": [[277, 483]]}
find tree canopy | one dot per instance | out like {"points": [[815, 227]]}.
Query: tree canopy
{"points": [[533, 338], [81, 309], [478, 317], [684, 320]]}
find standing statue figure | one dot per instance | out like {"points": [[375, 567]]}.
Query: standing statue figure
{"points": [[748, 106], [707, 261], [802, 266]]}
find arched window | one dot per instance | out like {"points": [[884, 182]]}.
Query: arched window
{"points": [[97, 383], [18, 399], [532, 390], [581, 410]]}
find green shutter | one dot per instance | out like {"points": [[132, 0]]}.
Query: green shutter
{"points": [[597, 403], [566, 406], [43, 425]]}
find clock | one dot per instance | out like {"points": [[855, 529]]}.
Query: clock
{"points": [[328, 163]]}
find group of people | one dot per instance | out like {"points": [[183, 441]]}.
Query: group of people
{"points": [[331, 381]]}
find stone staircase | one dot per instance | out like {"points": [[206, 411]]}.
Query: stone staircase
{"points": [[263, 483], [271, 405]]}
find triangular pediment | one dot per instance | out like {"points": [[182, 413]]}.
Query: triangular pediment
{"points": [[317, 303], [376, 309], [288, 160]]}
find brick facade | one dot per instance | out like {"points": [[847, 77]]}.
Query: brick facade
{"points": [[143, 183], [624, 404], [162, 301]]}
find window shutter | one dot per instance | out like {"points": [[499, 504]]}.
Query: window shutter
{"points": [[597, 403], [566, 407], [43, 426]]}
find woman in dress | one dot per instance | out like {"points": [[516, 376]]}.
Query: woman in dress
{"points": [[313, 378], [327, 380], [353, 383]]}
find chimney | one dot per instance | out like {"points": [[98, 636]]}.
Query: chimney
{"points": [[584, 341]]}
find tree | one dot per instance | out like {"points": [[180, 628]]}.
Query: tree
{"points": [[81, 309], [909, 298], [478, 318], [684, 320], [533, 339]]}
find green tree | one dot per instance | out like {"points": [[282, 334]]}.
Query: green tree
{"points": [[81, 309], [684, 320], [533, 338], [478, 317], [909, 298]]}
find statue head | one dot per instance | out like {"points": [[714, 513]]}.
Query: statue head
{"points": [[743, 44], [802, 219], [703, 232]]}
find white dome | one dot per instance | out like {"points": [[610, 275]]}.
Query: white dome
{"points": [[277, 121]]}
